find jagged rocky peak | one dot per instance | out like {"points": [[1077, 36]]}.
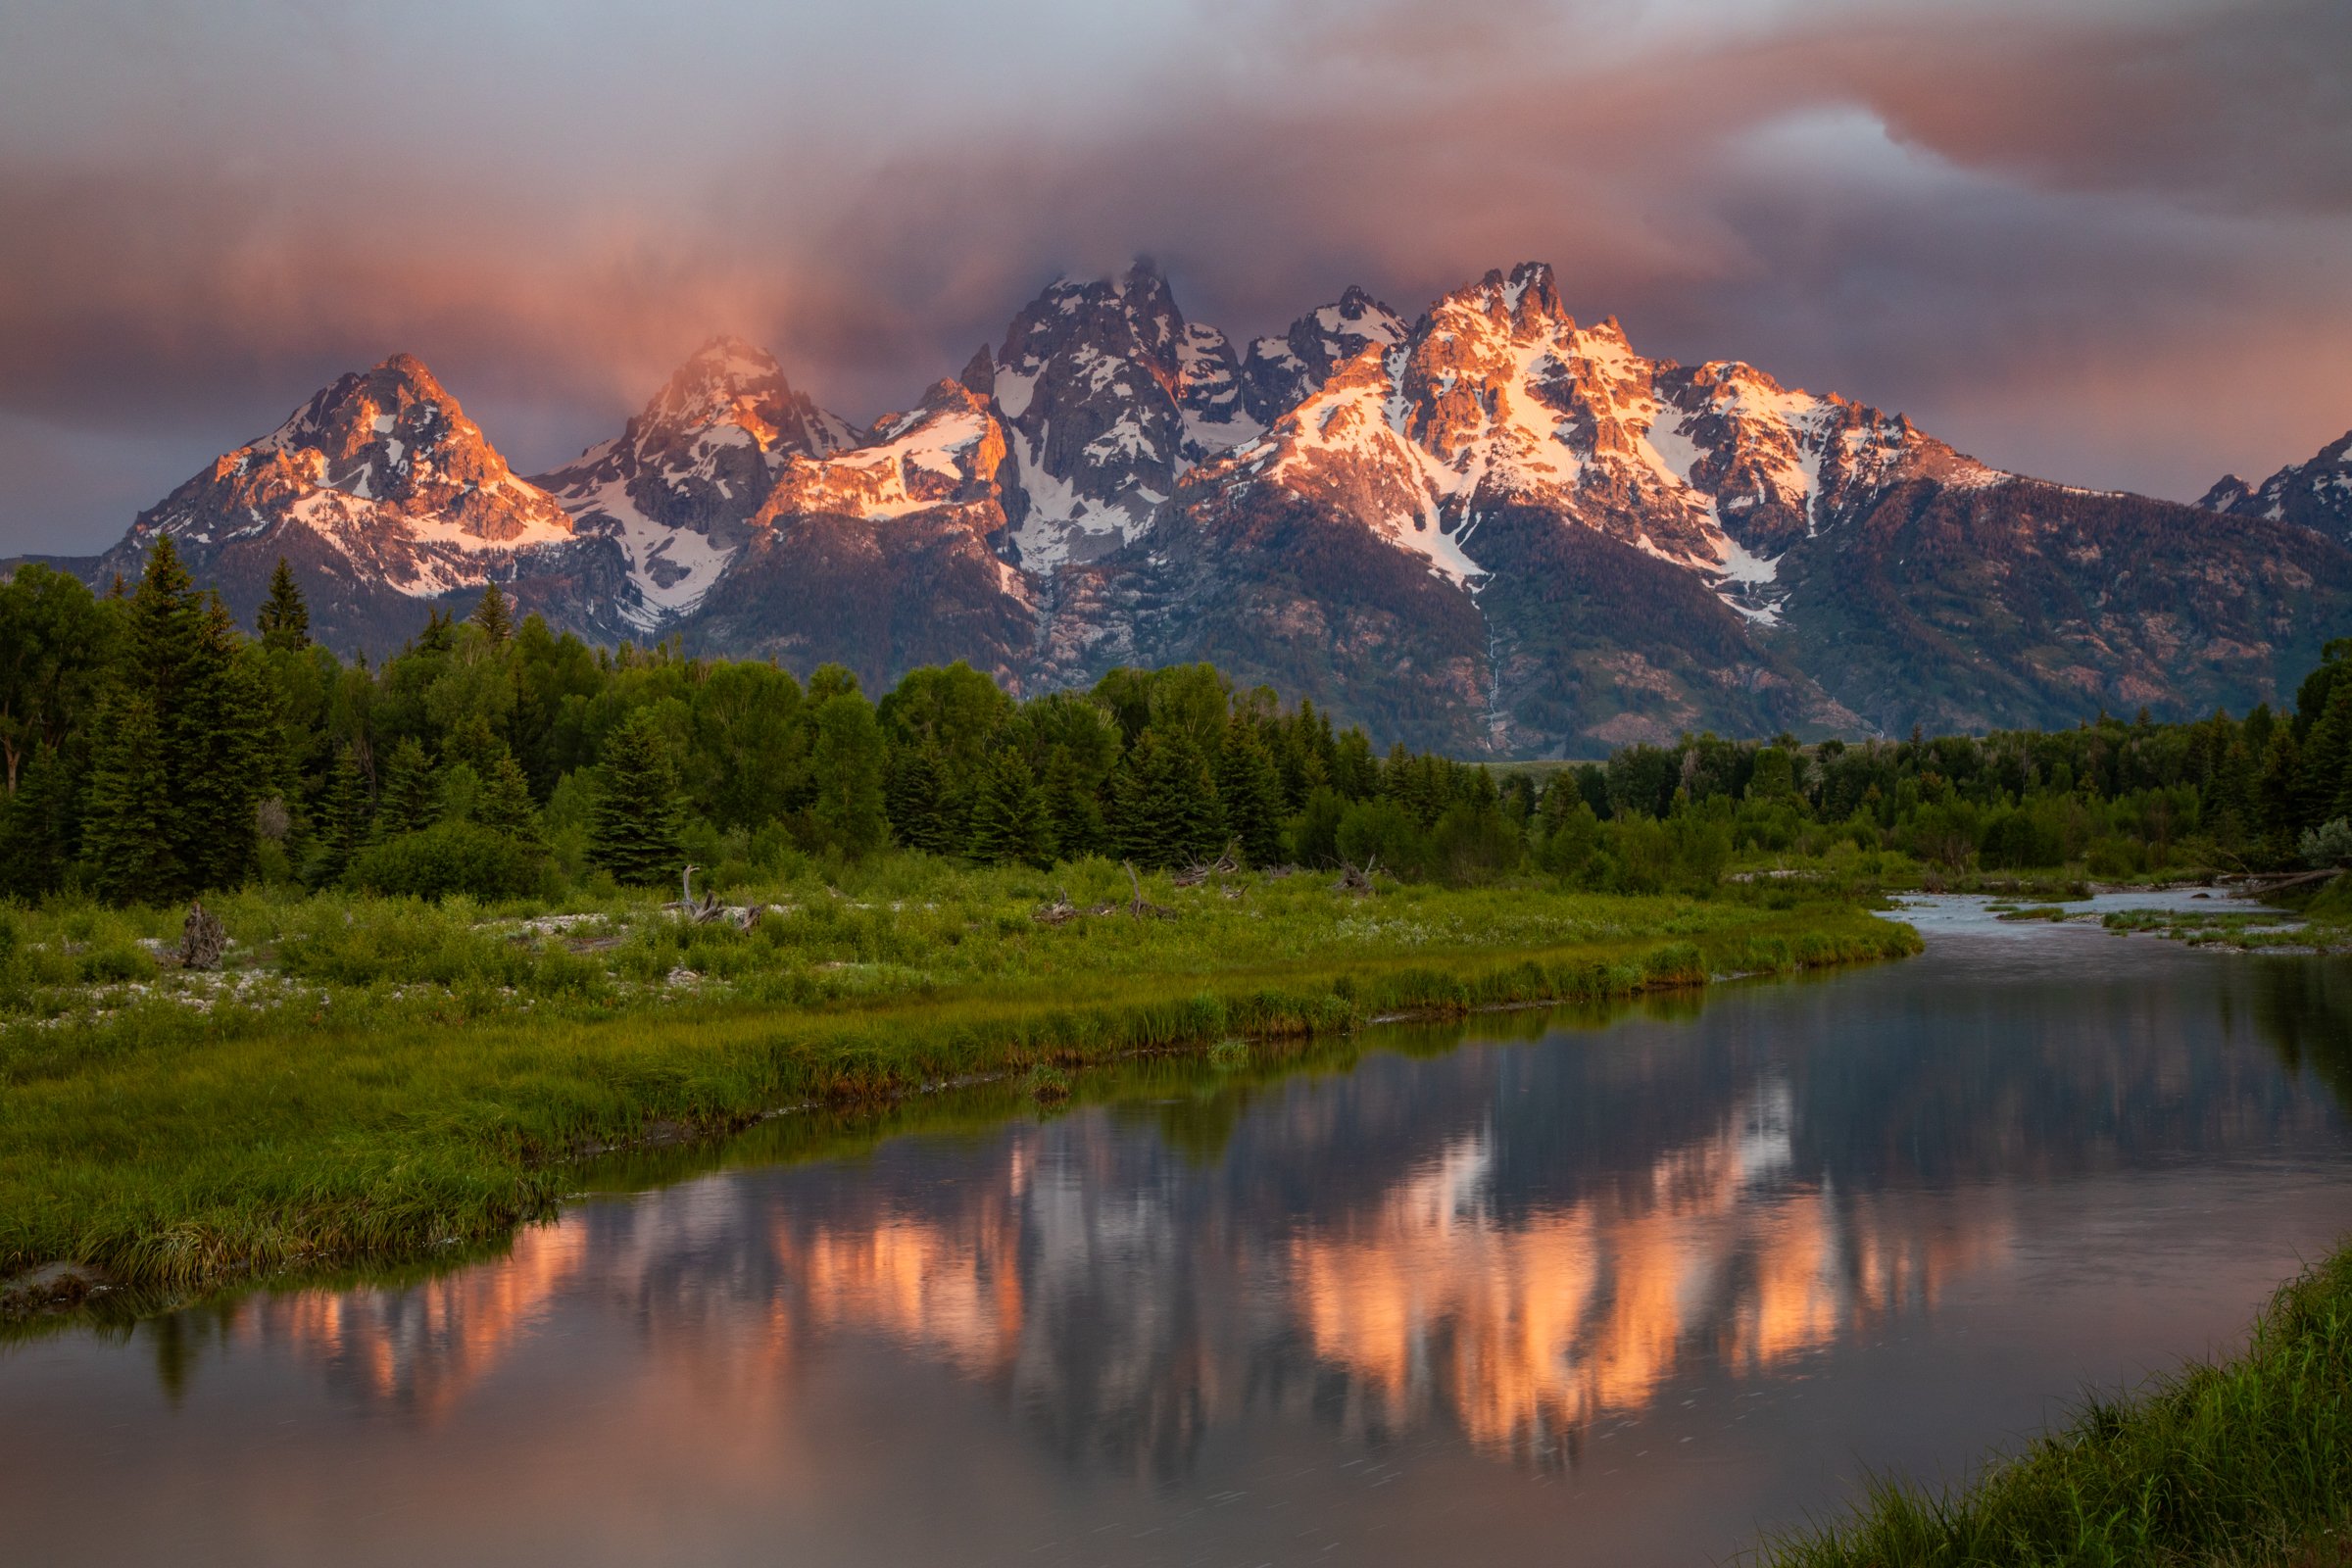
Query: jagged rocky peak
{"points": [[678, 488], [380, 491], [1110, 395], [1282, 372], [1527, 300], [381, 449], [391, 434], [2317, 494], [948, 451], [731, 383], [1497, 398]]}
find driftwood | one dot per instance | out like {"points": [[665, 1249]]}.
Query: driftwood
{"points": [[1275, 873], [1354, 880], [707, 908], [201, 938], [1143, 908], [1225, 864], [1061, 912], [2254, 886]]}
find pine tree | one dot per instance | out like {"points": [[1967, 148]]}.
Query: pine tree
{"points": [[505, 804], [222, 752], [1008, 814], [341, 822], [1188, 795], [411, 797], [126, 829], [2325, 789], [37, 826], [1138, 831], [1250, 790], [492, 617], [911, 799], [214, 715], [633, 829], [2275, 806], [473, 742], [1073, 807], [167, 623], [284, 620], [1166, 802]]}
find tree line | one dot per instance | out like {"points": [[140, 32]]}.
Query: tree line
{"points": [[153, 749]]}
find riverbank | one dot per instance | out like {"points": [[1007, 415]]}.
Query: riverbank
{"points": [[2245, 1462], [373, 1081]]}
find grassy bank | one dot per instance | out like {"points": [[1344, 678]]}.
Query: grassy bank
{"points": [[373, 1079], [2246, 1462]]}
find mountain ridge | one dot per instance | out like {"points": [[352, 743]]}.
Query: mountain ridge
{"points": [[1493, 528]]}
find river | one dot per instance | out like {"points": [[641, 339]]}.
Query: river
{"points": [[1577, 1288]]}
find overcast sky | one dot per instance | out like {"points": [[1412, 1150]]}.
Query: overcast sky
{"points": [[2105, 241]]}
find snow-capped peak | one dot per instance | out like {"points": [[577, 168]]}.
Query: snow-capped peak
{"points": [[1108, 396], [679, 486], [1279, 372], [2316, 494], [382, 469], [1498, 397], [945, 451]]}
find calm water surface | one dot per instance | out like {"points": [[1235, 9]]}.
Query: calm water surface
{"points": [[1574, 1290]]}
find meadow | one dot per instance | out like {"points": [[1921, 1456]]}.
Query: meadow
{"points": [[370, 1079]]}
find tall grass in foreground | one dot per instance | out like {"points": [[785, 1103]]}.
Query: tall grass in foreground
{"points": [[2244, 1463], [174, 1150]]}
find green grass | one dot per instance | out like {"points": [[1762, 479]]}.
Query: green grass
{"points": [[2246, 1462], [376, 1081]]}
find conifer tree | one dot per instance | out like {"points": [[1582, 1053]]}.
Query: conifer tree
{"points": [[410, 798], [1166, 802], [221, 752], [1250, 790], [473, 742], [127, 833], [492, 617], [284, 620], [36, 826], [1073, 806], [2324, 786], [1138, 833], [911, 799], [342, 819], [214, 714], [2276, 806], [167, 623], [1188, 795], [633, 829], [1008, 814], [504, 805]]}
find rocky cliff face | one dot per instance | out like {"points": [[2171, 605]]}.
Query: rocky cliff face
{"points": [[1494, 529], [885, 554], [386, 498], [676, 490], [2315, 495]]}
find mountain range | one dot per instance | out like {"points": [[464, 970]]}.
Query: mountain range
{"points": [[1492, 529]]}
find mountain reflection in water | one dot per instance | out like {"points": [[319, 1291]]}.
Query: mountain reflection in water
{"points": [[1536, 1255]]}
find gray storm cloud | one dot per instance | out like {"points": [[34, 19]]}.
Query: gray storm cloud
{"points": [[2105, 243]]}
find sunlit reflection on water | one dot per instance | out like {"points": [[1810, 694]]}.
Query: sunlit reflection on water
{"points": [[1885, 1219]]}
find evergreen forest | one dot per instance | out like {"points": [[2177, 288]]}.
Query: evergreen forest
{"points": [[153, 751]]}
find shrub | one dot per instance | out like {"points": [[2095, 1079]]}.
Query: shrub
{"points": [[1382, 830], [450, 858], [2328, 844]]}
